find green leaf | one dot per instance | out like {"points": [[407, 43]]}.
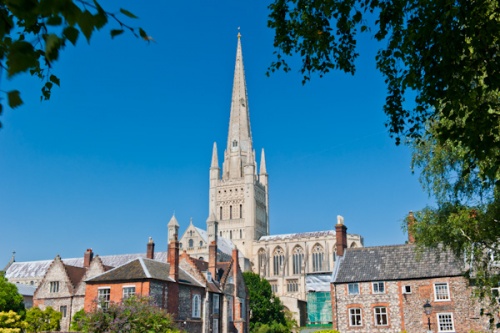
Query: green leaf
{"points": [[116, 32], [21, 57], [52, 45], [71, 33], [14, 98], [55, 80], [127, 13], [86, 23]]}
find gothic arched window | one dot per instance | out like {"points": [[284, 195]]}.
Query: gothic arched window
{"points": [[241, 211], [278, 260], [317, 258], [298, 259], [196, 306], [230, 212], [190, 243], [235, 143]]}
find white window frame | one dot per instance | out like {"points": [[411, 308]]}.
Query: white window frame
{"points": [[438, 290], [126, 291], [376, 287], [215, 325], [382, 313], [440, 317], [196, 306], [354, 315], [103, 298], [407, 289], [351, 292], [215, 303], [54, 286]]}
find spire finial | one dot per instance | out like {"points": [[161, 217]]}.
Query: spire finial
{"points": [[239, 34]]}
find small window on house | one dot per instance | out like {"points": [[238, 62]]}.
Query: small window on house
{"points": [[242, 308], [220, 213], [230, 308], [441, 292], [378, 287], [241, 234], [445, 322], [230, 234], [380, 313], [216, 303], [190, 243], [103, 297], [355, 318], [241, 211], [54, 286], [201, 243], [63, 309], [353, 288], [128, 291], [230, 212], [196, 306], [406, 289]]}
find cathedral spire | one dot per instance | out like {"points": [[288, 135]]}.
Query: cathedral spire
{"points": [[215, 161], [263, 169], [239, 140]]}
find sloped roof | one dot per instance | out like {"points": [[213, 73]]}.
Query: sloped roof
{"points": [[75, 274], [300, 235], [25, 290], [141, 269], [137, 269], [37, 269], [397, 262]]}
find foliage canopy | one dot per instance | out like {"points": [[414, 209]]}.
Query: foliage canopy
{"points": [[267, 311], [10, 299], [134, 314], [34, 32], [47, 320], [444, 53]]}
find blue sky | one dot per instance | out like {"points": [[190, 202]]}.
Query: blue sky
{"points": [[126, 140]]}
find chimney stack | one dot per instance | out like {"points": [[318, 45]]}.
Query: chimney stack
{"points": [[173, 258], [212, 228], [410, 221], [341, 236], [150, 252], [87, 258]]}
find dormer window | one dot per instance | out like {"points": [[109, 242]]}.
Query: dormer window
{"points": [[235, 143]]}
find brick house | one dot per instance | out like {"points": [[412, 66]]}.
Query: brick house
{"points": [[384, 289], [63, 286], [202, 296]]}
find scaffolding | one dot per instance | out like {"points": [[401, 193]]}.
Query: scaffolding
{"points": [[319, 308]]}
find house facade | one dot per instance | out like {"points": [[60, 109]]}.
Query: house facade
{"points": [[385, 288], [63, 286]]}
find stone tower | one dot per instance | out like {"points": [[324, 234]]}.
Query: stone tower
{"points": [[238, 196]]}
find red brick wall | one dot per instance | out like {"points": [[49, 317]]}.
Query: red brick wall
{"points": [[116, 292]]}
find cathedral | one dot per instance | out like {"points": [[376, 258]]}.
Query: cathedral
{"points": [[298, 266], [294, 264]]}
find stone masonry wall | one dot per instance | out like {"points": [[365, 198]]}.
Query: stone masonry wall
{"points": [[404, 301]]}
